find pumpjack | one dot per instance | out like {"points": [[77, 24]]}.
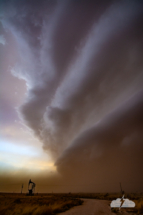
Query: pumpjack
{"points": [[31, 188]]}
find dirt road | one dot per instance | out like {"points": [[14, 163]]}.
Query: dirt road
{"points": [[91, 207]]}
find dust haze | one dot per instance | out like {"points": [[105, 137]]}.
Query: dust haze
{"points": [[82, 62]]}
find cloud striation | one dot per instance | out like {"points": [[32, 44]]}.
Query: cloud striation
{"points": [[82, 63]]}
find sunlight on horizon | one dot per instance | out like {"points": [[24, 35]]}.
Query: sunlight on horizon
{"points": [[19, 156]]}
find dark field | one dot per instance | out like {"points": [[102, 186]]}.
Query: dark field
{"points": [[51, 204], [41, 204]]}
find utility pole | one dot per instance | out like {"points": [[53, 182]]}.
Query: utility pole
{"points": [[121, 189], [21, 188]]}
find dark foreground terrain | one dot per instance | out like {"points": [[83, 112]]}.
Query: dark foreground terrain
{"points": [[41, 204], [51, 204]]}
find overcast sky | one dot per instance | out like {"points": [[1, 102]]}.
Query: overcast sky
{"points": [[71, 95]]}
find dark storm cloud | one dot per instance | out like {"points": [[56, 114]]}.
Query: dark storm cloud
{"points": [[96, 75], [80, 61], [111, 150]]}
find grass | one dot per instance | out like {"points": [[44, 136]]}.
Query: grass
{"points": [[14, 204], [51, 204], [139, 205]]}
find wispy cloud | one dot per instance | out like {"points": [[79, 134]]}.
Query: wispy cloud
{"points": [[2, 40]]}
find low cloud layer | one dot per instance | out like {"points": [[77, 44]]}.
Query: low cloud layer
{"points": [[83, 67]]}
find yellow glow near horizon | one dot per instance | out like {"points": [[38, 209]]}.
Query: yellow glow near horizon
{"points": [[15, 161], [24, 156]]}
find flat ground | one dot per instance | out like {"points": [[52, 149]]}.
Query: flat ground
{"points": [[95, 207], [66, 204], [41, 204], [90, 207]]}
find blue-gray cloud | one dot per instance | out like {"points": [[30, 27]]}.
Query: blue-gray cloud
{"points": [[2, 40], [80, 61]]}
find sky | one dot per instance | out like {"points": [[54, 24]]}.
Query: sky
{"points": [[71, 95]]}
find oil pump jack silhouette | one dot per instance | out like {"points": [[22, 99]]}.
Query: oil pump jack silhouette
{"points": [[31, 188], [21, 188]]}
